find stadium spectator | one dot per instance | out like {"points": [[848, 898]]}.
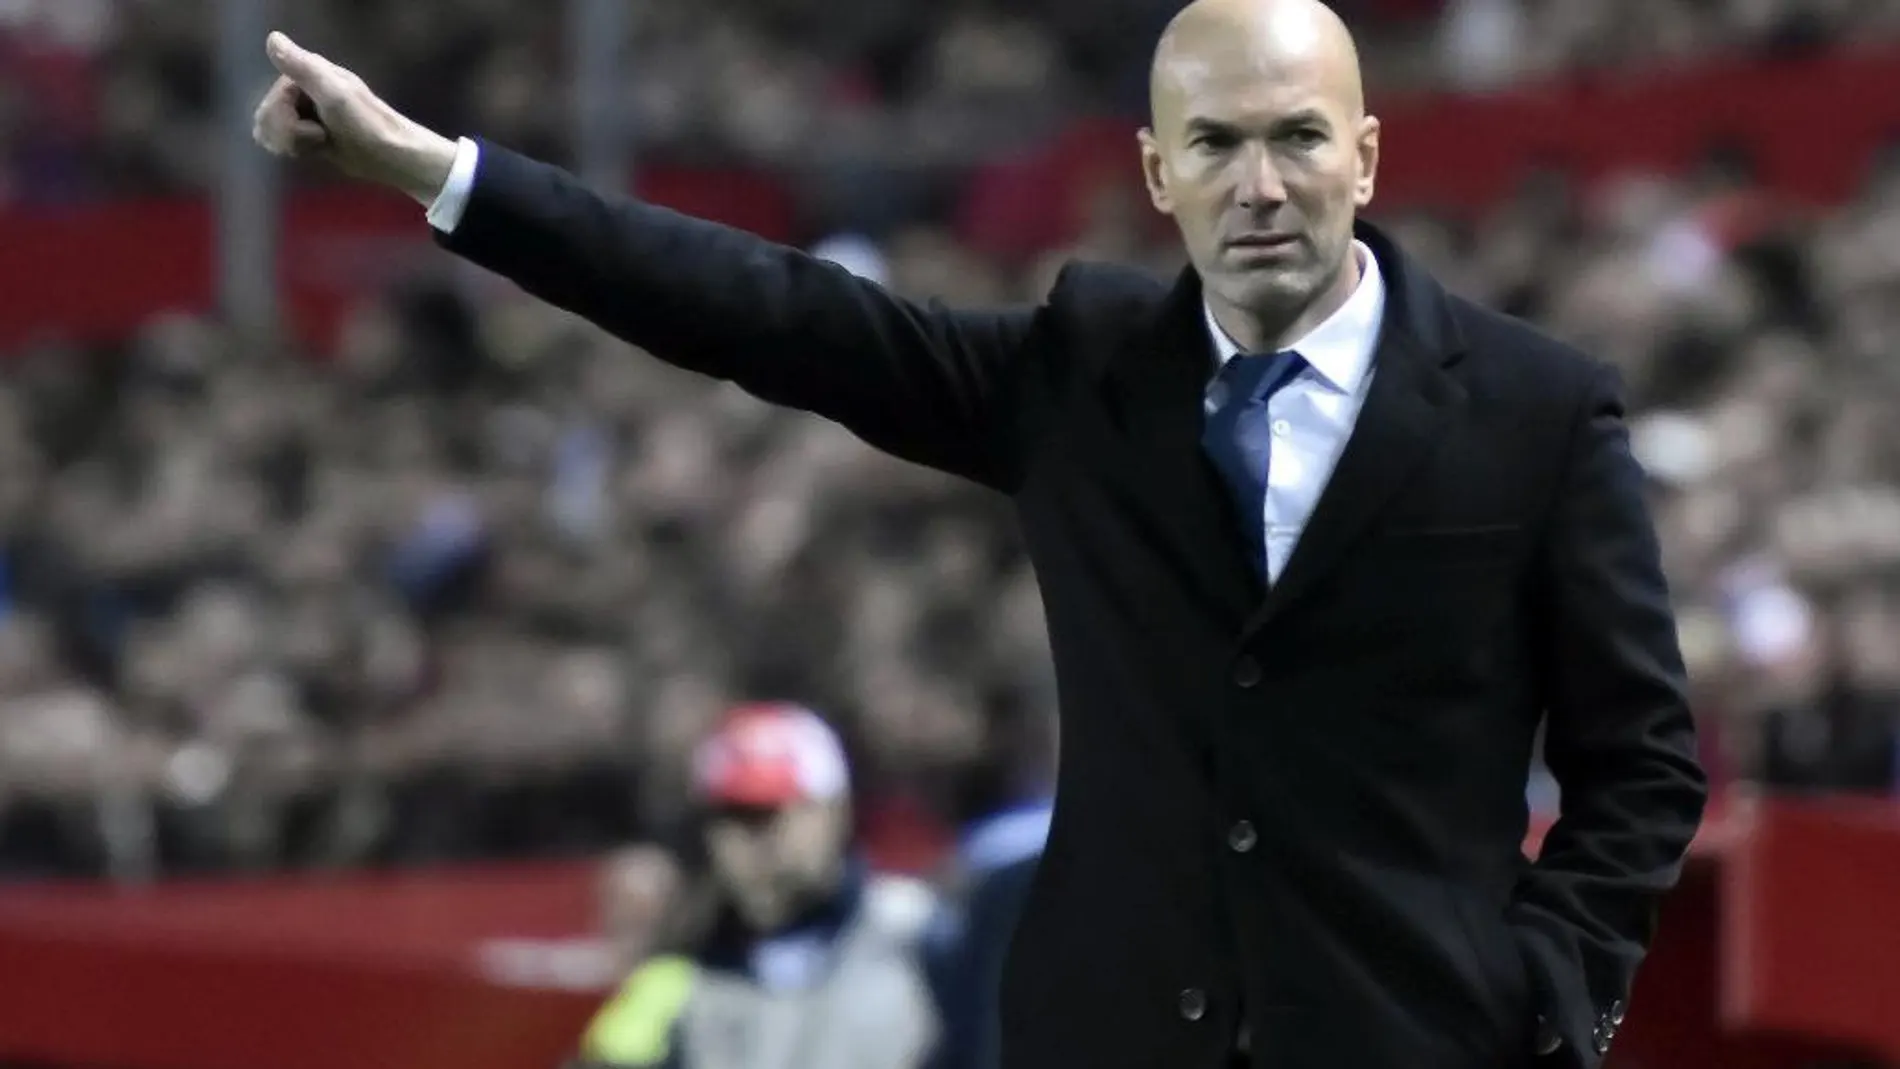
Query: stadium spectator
{"points": [[792, 954]]}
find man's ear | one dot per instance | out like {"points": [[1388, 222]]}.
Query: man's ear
{"points": [[1368, 149], [1154, 171]]}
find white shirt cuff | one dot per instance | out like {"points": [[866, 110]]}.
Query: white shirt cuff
{"points": [[445, 212]]}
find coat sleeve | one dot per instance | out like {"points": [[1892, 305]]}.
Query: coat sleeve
{"points": [[1619, 740], [914, 379]]}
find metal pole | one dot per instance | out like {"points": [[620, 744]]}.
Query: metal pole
{"points": [[597, 38], [247, 195]]}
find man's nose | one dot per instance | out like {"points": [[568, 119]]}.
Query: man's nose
{"points": [[1260, 183]]}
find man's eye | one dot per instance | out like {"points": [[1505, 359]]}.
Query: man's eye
{"points": [[1308, 137]]}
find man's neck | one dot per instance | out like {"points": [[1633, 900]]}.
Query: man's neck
{"points": [[1272, 332]]}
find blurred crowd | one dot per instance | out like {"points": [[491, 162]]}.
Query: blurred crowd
{"points": [[474, 582], [101, 97], [473, 585]]}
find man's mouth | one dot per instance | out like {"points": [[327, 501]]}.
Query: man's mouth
{"points": [[1262, 241]]}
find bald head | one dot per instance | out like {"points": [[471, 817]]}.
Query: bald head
{"points": [[1262, 152], [1214, 44]]}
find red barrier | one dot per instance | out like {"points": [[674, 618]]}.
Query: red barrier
{"points": [[98, 272], [1812, 946], [296, 973], [1464, 152], [1777, 948], [1471, 150]]}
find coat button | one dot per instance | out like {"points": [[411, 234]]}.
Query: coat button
{"points": [[1241, 837], [1548, 1041], [1246, 671], [1193, 1004], [1600, 1037]]}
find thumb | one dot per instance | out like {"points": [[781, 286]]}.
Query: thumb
{"points": [[312, 73]]}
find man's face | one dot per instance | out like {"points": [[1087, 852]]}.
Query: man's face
{"points": [[1262, 155], [775, 861]]}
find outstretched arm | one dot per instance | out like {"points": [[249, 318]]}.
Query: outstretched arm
{"points": [[917, 380], [925, 383]]}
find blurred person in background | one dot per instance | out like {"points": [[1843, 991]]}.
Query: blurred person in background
{"points": [[793, 955], [1304, 648], [994, 867], [1838, 727]]}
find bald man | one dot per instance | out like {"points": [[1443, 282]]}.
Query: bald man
{"points": [[1321, 547]]}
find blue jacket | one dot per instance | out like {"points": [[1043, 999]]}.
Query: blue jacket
{"points": [[969, 943]]}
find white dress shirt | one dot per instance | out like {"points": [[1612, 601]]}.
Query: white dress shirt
{"points": [[1314, 415], [445, 212]]}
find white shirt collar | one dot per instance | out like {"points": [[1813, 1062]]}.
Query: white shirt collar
{"points": [[1341, 348]]}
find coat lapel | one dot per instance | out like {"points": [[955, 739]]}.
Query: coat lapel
{"points": [[1155, 386], [1413, 397]]}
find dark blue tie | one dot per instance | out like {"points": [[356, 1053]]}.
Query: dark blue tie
{"points": [[1239, 435]]}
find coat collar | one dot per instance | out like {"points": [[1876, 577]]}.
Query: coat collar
{"points": [[1155, 385], [1339, 350]]}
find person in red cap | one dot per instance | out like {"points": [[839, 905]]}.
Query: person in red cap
{"points": [[796, 957]]}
